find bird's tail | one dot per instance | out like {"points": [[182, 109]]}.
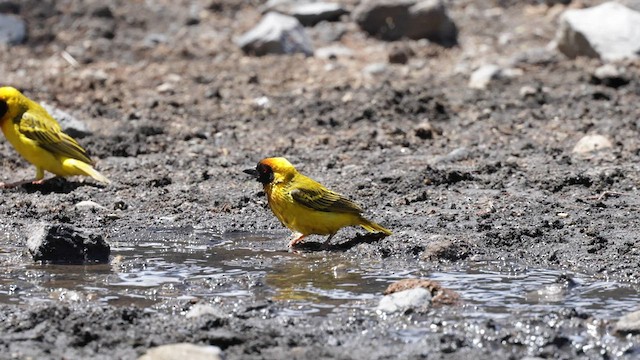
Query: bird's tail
{"points": [[370, 226], [88, 170]]}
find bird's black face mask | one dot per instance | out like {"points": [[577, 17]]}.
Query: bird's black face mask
{"points": [[263, 173], [3, 108]]}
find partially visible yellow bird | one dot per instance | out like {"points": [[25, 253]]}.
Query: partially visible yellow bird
{"points": [[304, 205], [39, 139]]}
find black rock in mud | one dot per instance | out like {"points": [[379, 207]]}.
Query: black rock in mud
{"points": [[63, 244]]}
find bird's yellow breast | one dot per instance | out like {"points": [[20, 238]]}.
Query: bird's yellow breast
{"points": [[302, 219]]}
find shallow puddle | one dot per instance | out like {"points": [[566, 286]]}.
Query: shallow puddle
{"points": [[154, 266]]}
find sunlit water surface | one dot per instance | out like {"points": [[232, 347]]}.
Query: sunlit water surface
{"points": [[157, 266]]}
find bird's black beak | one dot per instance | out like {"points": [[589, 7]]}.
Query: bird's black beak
{"points": [[252, 172]]}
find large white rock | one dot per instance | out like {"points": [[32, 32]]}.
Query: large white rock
{"points": [[590, 143], [416, 298], [183, 351], [276, 34], [610, 31], [628, 324]]}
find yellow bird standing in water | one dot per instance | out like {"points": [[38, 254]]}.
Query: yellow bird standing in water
{"points": [[38, 138], [304, 205]]}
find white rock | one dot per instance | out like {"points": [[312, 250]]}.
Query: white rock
{"points": [[629, 323], [607, 71], [375, 69], [611, 75], [198, 310], [262, 102], [89, 205], [481, 78], [403, 300], [609, 31], [527, 90], [182, 351], [590, 143], [276, 34], [165, 88], [333, 51]]}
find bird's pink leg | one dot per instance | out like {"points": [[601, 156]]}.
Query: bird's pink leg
{"points": [[296, 240]]}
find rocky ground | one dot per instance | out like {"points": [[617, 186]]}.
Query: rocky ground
{"points": [[177, 110]]}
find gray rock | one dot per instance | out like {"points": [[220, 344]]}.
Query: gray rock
{"points": [[13, 30], [429, 20], [609, 31], [628, 324], [415, 299], [312, 13], [183, 351], [64, 244], [415, 19], [69, 123], [276, 34]]}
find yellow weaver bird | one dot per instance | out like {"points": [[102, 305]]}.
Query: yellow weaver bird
{"points": [[38, 138], [304, 205]]}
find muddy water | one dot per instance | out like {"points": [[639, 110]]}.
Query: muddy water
{"points": [[162, 267]]}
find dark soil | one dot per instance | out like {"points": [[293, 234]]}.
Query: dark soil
{"points": [[456, 173]]}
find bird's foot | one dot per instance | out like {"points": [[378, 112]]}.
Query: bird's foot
{"points": [[20, 183], [296, 240]]}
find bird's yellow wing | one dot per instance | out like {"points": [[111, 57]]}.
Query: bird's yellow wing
{"points": [[48, 135], [322, 199]]}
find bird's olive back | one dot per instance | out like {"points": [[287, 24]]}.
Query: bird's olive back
{"points": [[265, 173]]}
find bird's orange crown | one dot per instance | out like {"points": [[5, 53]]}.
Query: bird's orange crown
{"points": [[278, 165], [274, 169]]}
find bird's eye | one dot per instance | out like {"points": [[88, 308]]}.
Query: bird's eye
{"points": [[265, 173], [3, 108]]}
